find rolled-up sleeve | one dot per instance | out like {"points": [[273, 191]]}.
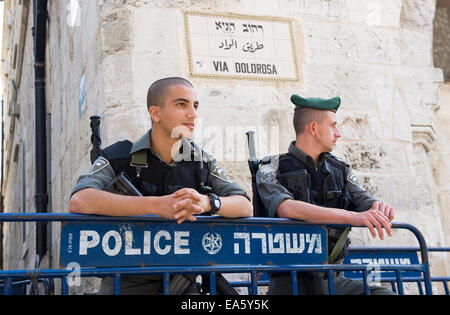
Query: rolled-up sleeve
{"points": [[221, 184], [100, 175], [271, 192]]}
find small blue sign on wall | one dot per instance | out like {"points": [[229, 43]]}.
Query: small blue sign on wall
{"points": [[169, 244], [82, 96]]}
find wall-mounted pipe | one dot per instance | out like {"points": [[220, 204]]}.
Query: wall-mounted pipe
{"points": [[41, 197]]}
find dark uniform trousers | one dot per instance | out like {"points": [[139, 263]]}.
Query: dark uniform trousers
{"points": [[281, 285]]}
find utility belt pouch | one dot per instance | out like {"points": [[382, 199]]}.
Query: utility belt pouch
{"points": [[298, 183]]}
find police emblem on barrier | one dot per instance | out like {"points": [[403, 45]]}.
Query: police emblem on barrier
{"points": [[212, 243]]}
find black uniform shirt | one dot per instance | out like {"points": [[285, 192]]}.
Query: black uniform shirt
{"points": [[272, 193], [101, 174]]}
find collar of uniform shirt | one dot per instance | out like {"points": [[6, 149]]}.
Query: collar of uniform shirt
{"points": [[305, 158], [144, 143]]}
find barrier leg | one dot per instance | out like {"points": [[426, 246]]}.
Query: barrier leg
{"points": [[393, 286], [399, 282], [117, 284], [166, 283], [64, 285], [330, 277], [427, 281], [294, 282], [7, 289], [366, 285], [212, 283], [254, 285], [419, 286]]}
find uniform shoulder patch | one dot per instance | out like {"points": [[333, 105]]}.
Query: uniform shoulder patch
{"points": [[218, 172], [268, 168], [354, 180], [98, 165], [268, 177]]}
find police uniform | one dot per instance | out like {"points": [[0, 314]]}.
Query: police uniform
{"points": [[115, 159], [192, 168], [331, 183]]}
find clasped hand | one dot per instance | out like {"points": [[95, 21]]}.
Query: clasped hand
{"points": [[184, 204]]}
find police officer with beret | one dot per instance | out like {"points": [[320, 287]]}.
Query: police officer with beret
{"points": [[308, 183], [177, 178]]}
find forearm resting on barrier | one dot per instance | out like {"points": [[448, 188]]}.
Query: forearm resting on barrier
{"points": [[178, 206], [373, 219], [94, 201]]}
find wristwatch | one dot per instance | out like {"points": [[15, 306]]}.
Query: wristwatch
{"points": [[215, 203]]}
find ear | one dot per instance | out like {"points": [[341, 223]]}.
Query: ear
{"points": [[312, 128], [154, 113]]}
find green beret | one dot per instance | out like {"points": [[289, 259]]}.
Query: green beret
{"points": [[316, 103]]}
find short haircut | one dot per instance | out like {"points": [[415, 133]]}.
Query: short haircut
{"points": [[157, 91], [304, 115]]}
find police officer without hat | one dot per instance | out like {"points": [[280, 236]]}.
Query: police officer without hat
{"points": [[328, 193], [178, 179]]}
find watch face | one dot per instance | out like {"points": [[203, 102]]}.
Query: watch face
{"points": [[215, 203]]}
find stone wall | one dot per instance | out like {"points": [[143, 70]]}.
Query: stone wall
{"points": [[441, 40], [439, 159], [19, 127]]}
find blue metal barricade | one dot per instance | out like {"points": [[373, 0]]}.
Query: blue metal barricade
{"points": [[373, 256], [101, 246]]}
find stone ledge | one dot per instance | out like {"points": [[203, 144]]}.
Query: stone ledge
{"points": [[424, 135]]}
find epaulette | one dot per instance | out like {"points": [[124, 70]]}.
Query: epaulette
{"points": [[337, 160], [268, 159]]}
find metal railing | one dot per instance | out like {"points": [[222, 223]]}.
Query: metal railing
{"points": [[419, 280], [11, 278]]}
